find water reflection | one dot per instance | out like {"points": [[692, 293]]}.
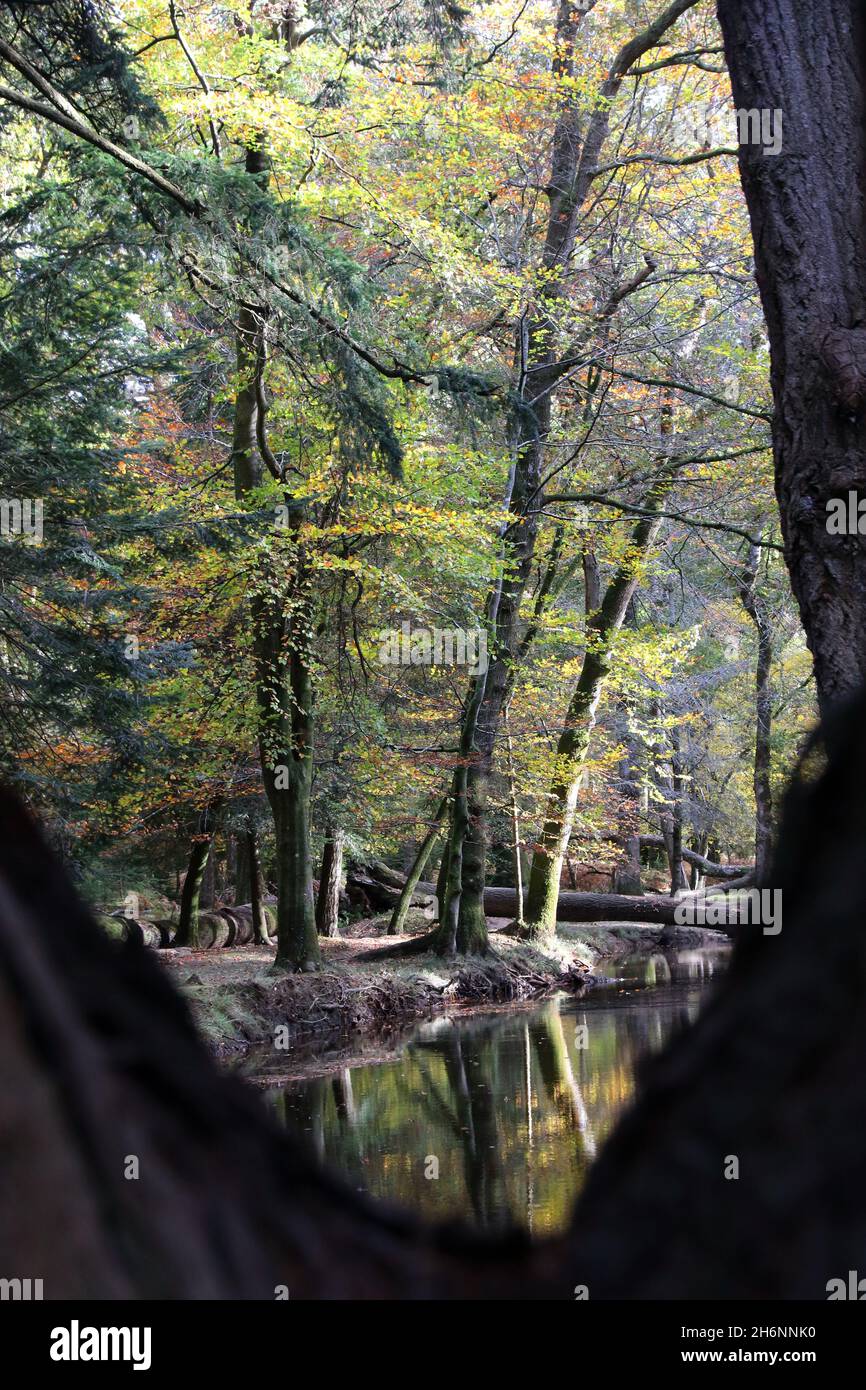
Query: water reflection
{"points": [[497, 1117]]}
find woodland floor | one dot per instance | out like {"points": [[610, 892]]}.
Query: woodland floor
{"points": [[242, 1007]]}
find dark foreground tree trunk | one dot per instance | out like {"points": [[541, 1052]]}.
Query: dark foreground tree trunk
{"points": [[99, 1061], [807, 209]]}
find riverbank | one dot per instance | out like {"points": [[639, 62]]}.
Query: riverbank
{"points": [[240, 1005]]}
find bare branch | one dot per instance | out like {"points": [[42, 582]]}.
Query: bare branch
{"points": [[200, 77], [668, 160]]}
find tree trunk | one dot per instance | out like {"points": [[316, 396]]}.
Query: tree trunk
{"points": [[516, 846], [537, 371], [571, 751], [281, 611], [285, 692], [763, 713], [807, 212], [328, 901], [261, 934], [442, 882], [678, 878], [413, 878], [207, 889], [190, 898], [627, 873]]}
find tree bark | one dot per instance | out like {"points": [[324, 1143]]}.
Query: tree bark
{"points": [[413, 878], [285, 692], [807, 212], [328, 901], [573, 745], [190, 898], [763, 713], [261, 934], [627, 873]]}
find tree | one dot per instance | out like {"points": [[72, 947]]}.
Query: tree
{"points": [[539, 367], [757, 611], [573, 745], [806, 208], [330, 883]]}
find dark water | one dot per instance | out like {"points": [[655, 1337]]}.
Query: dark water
{"points": [[499, 1115]]}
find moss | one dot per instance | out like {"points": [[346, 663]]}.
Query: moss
{"points": [[222, 1014], [112, 926]]}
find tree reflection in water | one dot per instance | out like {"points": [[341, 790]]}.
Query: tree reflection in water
{"points": [[497, 1117]]}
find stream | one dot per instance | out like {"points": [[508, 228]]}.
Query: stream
{"points": [[496, 1117]]}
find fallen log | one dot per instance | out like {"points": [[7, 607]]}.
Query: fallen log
{"points": [[134, 929], [213, 931], [654, 908], [240, 920], [382, 887], [366, 887], [706, 866]]}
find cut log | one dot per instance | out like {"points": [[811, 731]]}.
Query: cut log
{"points": [[213, 931], [134, 929], [240, 919], [167, 931]]}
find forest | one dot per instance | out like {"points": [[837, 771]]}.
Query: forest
{"points": [[432, 629]]}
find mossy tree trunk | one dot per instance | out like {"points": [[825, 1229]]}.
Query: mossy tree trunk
{"points": [[261, 936], [759, 615], [573, 745], [190, 898], [281, 610], [401, 911], [283, 623]]}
